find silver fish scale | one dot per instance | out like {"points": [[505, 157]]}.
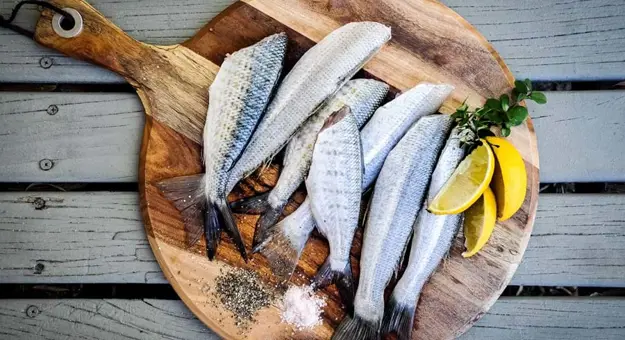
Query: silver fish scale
{"points": [[316, 76], [398, 195], [397, 116], [334, 186], [238, 97], [433, 234], [362, 96]]}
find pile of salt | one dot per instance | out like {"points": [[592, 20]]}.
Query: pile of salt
{"points": [[301, 308]]}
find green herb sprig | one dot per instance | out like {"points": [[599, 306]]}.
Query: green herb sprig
{"points": [[503, 113]]}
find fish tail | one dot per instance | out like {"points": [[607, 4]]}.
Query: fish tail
{"points": [[343, 279], [251, 205], [259, 204], [398, 318], [231, 227], [187, 195], [281, 254], [357, 327], [267, 220], [218, 217], [212, 229]]}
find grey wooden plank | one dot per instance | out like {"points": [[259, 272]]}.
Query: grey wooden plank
{"points": [[580, 135], [77, 237], [161, 22], [552, 319], [99, 319], [96, 137], [509, 318], [92, 137], [578, 240], [553, 39], [98, 237], [542, 40]]}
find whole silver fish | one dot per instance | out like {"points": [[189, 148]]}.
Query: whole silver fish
{"points": [[334, 186], [433, 235], [317, 75], [397, 198], [238, 98], [284, 242], [362, 96]]}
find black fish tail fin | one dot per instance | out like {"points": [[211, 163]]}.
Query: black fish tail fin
{"points": [[212, 229], [267, 220], [343, 279], [398, 318], [187, 195], [230, 226], [357, 328], [251, 205], [259, 204]]}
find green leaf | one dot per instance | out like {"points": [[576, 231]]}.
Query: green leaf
{"points": [[505, 102], [457, 115], [505, 131], [528, 84], [520, 86], [492, 104], [538, 97], [517, 115]]}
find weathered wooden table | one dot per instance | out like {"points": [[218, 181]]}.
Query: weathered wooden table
{"points": [[86, 128]]}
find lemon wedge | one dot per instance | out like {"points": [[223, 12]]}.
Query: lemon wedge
{"points": [[509, 179], [479, 222], [466, 184]]}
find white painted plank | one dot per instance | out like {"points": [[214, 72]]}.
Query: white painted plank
{"points": [[77, 237], [578, 240], [96, 137], [98, 319], [510, 318], [92, 137], [542, 40], [551, 319]]}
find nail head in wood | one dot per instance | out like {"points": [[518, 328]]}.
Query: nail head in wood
{"points": [[32, 311], [52, 110], [46, 164], [39, 267], [45, 62], [39, 203]]}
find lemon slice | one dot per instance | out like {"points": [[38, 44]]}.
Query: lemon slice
{"points": [[466, 184], [509, 179], [479, 222]]}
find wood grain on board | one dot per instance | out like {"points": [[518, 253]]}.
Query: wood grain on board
{"points": [[430, 43], [150, 319], [95, 137], [98, 237], [543, 40]]}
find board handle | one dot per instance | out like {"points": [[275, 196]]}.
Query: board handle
{"points": [[98, 41]]}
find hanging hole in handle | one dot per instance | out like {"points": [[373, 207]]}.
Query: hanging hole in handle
{"points": [[65, 27]]}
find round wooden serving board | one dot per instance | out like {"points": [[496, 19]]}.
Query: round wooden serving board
{"points": [[431, 43]]}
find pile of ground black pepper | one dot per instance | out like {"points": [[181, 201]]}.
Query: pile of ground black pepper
{"points": [[242, 292]]}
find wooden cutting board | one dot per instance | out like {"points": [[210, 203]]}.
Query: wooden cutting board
{"points": [[430, 43]]}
